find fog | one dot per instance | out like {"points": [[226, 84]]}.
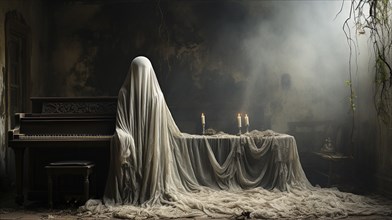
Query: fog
{"points": [[302, 42], [277, 61], [295, 59]]}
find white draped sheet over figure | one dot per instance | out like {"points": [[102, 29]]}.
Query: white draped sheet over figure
{"points": [[141, 162], [158, 171]]}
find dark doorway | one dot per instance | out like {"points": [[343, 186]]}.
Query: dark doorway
{"points": [[17, 74]]}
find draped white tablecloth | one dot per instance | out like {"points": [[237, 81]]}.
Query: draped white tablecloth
{"points": [[256, 159]]}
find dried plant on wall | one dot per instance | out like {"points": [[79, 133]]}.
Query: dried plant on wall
{"points": [[373, 18]]}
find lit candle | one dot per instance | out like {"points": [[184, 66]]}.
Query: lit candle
{"points": [[239, 120], [203, 119], [246, 120]]}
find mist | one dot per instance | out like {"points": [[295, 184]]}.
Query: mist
{"points": [[299, 57], [277, 61], [280, 61]]}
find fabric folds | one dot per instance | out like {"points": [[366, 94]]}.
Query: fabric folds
{"points": [[158, 171], [150, 156]]}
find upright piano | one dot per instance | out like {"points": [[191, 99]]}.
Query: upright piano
{"points": [[61, 128]]}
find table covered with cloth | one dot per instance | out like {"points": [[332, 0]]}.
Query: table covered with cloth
{"points": [[258, 158]]}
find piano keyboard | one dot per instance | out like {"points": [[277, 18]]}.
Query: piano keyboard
{"points": [[69, 136]]}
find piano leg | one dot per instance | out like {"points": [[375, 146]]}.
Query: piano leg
{"points": [[19, 153]]}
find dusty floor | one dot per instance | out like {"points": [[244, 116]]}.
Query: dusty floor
{"points": [[9, 210], [33, 210]]}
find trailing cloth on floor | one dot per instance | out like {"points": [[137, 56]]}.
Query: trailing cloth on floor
{"points": [[158, 171]]}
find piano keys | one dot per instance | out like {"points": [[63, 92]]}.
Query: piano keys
{"points": [[61, 128]]}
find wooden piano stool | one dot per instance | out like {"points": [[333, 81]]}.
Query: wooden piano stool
{"points": [[83, 168]]}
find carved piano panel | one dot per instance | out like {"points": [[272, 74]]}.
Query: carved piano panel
{"points": [[71, 105]]}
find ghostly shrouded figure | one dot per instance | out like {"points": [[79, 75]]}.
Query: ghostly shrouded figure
{"points": [[157, 171], [140, 148]]}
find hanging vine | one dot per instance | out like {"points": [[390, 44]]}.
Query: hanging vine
{"points": [[374, 18]]}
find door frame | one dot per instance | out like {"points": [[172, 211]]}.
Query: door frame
{"points": [[15, 26]]}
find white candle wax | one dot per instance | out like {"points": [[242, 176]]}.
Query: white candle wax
{"points": [[246, 120], [239, 120], [203, 119]]}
